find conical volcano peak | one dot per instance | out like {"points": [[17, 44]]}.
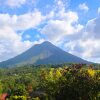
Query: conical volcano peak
{"points": [[44, 53], [46, 43]]}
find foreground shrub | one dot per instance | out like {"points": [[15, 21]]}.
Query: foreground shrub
{"points": [[17, 98], [72, 83]]}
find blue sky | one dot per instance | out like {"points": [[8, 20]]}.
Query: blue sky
{"points": [[72, 25]]}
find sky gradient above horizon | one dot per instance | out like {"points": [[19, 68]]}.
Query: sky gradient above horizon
{"points": [[73, 25]]}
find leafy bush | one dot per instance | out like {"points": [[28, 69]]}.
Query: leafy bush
{"points": [[60, 82], [69, 83], [18, 98]]}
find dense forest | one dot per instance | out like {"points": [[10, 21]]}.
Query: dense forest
{"points": [[51, 82]]}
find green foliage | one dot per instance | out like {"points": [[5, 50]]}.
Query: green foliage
{"points": [[79, 84], [76, 82], [37, 98], [1, 89], [17, 98], [19, 90]]}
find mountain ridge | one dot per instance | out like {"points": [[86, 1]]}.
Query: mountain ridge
{"points": [[44, 53]]}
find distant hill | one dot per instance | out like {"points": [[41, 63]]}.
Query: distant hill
{"points": [[44, 53]]}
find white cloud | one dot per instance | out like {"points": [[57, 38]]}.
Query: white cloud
{"points": [[61, 4], [99, 10], [15, 3], [11, 42], [65, 25], [85, 48], [65, 30], [88, 45], [83, 7], [93, 29], [27, 21], [93, 37], [60, 26], [27, 36], [21, 22]]}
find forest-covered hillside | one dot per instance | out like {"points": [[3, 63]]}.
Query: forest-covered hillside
{"points": [[50, 82]]}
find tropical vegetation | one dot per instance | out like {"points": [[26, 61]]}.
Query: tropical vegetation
{"points": [[51, 82]]}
